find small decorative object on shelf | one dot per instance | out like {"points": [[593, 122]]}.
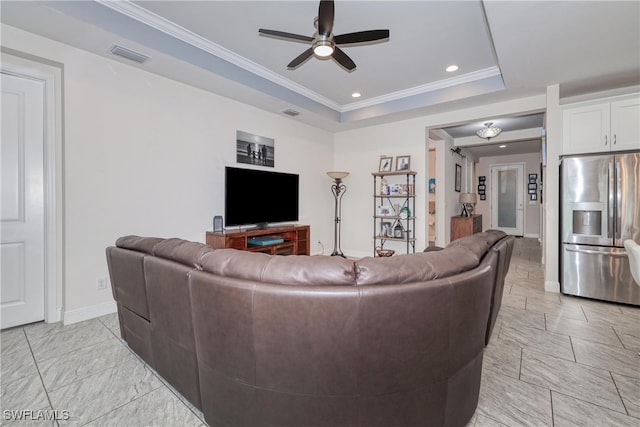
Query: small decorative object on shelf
{"points": [[384, 252], [398, 232], [405, 212], [394, 208], [384, 187]]}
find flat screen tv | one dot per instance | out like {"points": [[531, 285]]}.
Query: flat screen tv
{"points": [[260, 197]]}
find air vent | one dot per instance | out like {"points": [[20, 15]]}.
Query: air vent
{"points": [[129, 54], [290, 112]]}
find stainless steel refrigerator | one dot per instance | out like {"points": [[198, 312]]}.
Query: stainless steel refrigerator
{"points": [[600, 209]]}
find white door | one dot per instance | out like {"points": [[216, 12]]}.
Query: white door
{"points": [[22, 286], [507, 198]]}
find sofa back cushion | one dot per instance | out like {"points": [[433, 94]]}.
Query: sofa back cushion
{"points": [[479, 243], [182, 251], [415, 267], [283, 270], [138, 244]]}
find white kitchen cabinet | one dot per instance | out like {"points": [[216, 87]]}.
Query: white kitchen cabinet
{"points": [[600, 126], [625, 124]]}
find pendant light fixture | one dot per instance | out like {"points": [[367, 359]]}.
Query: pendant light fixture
{"points": [[489, 131]]}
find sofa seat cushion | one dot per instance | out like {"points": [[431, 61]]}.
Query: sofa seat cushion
{"points": [[284, 270], [137, 243], [182, 251], [417, 267]]}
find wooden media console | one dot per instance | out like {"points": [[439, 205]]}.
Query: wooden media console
{"points": [[295, 240]]}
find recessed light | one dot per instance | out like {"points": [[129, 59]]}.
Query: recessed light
{"points": [[452, 68], [356, 95], [502, 146]]}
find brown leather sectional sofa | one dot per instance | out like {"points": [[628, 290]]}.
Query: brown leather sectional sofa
{"points": [[253, 339]]}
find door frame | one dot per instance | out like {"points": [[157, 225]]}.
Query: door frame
{"points": [[491, 199], [20, 68]]}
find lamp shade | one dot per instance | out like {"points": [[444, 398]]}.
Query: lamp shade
{"points": [[337, 175], [468, 198]]}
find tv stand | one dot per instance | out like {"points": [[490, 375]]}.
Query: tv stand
{"points": [[295, 240]]}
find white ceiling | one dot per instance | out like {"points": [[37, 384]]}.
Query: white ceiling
{"points": [[505, 50]]}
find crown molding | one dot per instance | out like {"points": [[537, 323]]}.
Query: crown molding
{"points": [[171, 29], [429, 87]]}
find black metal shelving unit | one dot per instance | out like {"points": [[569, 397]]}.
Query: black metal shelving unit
{"points": [[397, 207]]}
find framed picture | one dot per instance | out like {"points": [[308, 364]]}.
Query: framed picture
{"points": [[533, 186], [385, 164], [385, 229], [533, 196], [432, 185], [482, 187], [255, 149], [533, 176], [402, 163], [458, 177], [483, 197]]}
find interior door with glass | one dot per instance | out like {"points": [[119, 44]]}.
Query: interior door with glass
{"points": [[507, 198]]}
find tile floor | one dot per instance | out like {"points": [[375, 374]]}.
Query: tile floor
{"points": [[553, 360]]}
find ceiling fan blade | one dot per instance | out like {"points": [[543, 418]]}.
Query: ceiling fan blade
{"points": [[361, 37], [325, 17], [283, 35], [343, 59], [301, 58]]}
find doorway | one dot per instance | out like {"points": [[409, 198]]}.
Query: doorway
{"points": [[31, 134], [431, 184], [507, 198]]}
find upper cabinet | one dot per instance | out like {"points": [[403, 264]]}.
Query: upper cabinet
{"points": [[605, 125], [625, 124]]}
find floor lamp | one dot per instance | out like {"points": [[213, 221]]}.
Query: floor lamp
{"points": [[338, 189]]}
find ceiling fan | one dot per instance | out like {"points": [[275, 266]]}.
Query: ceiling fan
{"points": [[323, 43]]}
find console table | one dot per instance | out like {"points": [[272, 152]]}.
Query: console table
{"points": [[465, 226], [296, 240]]}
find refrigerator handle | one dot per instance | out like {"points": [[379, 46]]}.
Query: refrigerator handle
{"points": [[617, 200], [610, 199]]}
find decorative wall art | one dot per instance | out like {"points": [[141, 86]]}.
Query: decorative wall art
{"points": [[458, 177], [532, 187], [254, 149], [482, 187]]}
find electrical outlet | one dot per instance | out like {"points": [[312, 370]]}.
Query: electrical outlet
{"points": [[101, 283]]}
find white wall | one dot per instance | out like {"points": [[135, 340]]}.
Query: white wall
{"points": [[145, 155], [531, 208]]}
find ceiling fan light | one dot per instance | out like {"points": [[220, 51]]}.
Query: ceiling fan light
{"points": [[323, 49], [489, 131]]}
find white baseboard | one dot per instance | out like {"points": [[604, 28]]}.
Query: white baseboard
{"points": [[91, 312], [552, 287]]}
